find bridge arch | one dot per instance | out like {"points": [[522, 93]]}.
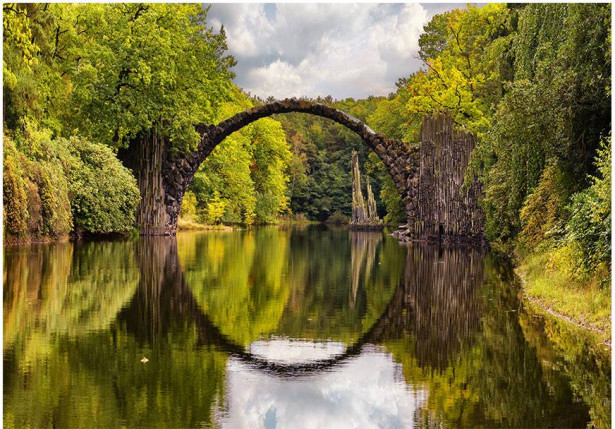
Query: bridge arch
{"points": [[179, 170], [429, 178]]}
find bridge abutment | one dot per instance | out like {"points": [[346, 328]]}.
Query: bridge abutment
{"points": [[442, 206], [146, 156]]}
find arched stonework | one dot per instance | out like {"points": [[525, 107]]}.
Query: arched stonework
{"points": [[429, 177], [400, 159]]}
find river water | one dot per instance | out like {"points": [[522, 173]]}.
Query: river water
{"points": [[285, 327]]}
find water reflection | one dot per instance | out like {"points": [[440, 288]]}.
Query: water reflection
{"points": [[291, 327], [365, 392]]}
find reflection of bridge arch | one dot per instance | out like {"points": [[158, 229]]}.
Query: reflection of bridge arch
{"points": [[435, 301], [211, 334]]}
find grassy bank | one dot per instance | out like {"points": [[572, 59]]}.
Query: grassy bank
{"points": [[191, 225], [552, 287]]}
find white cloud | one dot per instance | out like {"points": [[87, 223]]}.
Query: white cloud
{"points": [[278, 77], [343, 50], [367, 392]]}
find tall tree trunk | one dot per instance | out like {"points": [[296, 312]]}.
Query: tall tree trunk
{"points": [[145, 157]]}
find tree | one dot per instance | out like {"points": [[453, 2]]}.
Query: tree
{"points": [[589, 225], [462, 52], [135, 77], [215, 209], [555, 111], [143, 76], [271, 155]]}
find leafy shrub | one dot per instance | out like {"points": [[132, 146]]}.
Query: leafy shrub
{"points": [[35, 188], [590, 220], [338, 218], [188, 209], [55, 203], [542, 210], [14, 191], [104, 194], [215, 209], [51, 184]]}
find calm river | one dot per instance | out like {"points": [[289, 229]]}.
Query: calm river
{"points": [[290, 328]]}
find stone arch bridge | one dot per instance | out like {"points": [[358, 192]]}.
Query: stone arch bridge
{"points": [[428, 177]]}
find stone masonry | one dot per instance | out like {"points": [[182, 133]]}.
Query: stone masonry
{"points": [[428, 177]]}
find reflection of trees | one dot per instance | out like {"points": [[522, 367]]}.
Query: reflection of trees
{"points": [[333, 295], [564, 348], [267, 282], [454, 324], [238, 279], [63, 289], [463, 343], [94, 378], [512, 384], [159, 303]]}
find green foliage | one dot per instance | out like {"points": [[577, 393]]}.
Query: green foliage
{"points": [[338, 218], [188, 209], [15, 209], [101, 73], [35, 191], [541, 214], [556, 109], [590, 222], [320, 173], [215, 209], [270, 158], [35, 85], [52, 185], [137, 66], [392, 119], [104, 194], [463, 52], [73, 346], [227, 171], [261, 291], [521, 138]]}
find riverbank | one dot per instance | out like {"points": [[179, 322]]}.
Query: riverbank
{"points": [[15, 241], [555, 292], [579, 351], [190, 225]]}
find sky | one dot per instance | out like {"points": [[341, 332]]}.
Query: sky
{"points": [[316, 49]]}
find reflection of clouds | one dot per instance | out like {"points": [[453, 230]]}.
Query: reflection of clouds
{"points": [[296, 351], [364, 392]]}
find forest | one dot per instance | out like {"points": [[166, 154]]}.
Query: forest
{"points": [[531, 82]]}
